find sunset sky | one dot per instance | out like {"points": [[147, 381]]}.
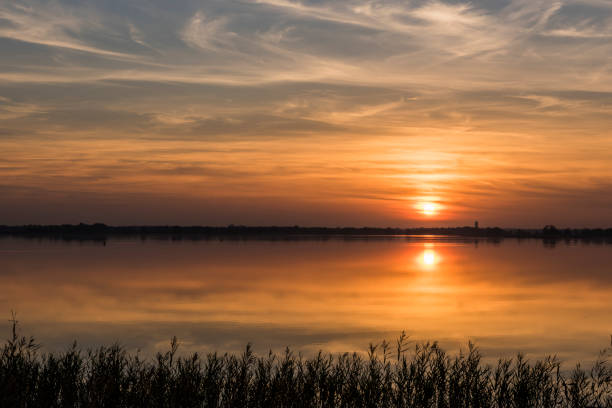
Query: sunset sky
{"points": [[378, 113]]}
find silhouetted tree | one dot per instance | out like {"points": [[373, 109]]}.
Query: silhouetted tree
{"points": [[550, 230]]}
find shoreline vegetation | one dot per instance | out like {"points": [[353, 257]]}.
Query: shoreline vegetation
{"points": [[398, 374], [102, 232]]}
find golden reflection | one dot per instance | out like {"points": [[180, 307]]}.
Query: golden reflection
{"points": [[509, 295], [428, 257]]}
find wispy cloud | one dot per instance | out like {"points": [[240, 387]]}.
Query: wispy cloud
{"points": [[13, 110], [207, 33], [50, 25], [432, 43]]}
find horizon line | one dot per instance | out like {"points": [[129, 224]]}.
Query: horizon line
{"points": [[295, 226]]}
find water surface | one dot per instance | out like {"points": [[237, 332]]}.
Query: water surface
{"points": [[334, 294]]}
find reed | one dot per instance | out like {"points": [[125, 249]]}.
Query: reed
{"points": [[389, 375]]}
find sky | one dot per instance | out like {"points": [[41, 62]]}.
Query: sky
{"points": [[330, 113]]}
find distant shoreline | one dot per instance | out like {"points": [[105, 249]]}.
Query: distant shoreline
{"points": [[102, 232]]}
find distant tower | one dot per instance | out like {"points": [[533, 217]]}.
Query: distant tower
{"points": [[476, 224]]}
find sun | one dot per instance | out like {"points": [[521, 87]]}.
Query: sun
{"points": [[429, 209]]}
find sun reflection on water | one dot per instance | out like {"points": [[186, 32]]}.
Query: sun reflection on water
{"points": [[429, 257]]}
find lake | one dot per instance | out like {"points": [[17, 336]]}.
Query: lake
{"points": [[331, 294]]}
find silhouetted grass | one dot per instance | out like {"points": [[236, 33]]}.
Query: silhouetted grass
{"points": [[421, 375]]}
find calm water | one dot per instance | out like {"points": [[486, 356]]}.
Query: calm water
{"points": [[334, 295]]}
